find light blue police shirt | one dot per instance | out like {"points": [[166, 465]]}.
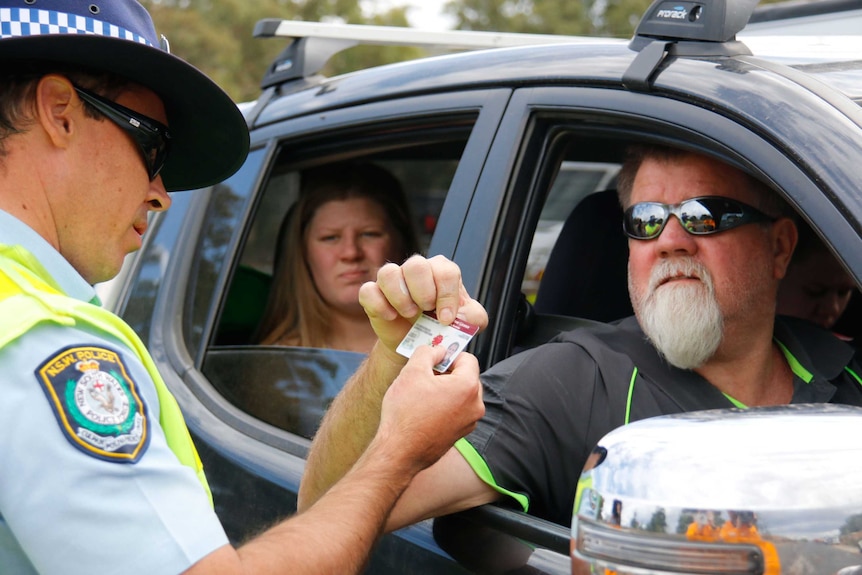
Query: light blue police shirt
{"points": [[64, 510]]}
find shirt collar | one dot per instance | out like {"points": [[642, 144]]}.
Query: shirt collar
{"points": [[61, 273], [816, 357], [812, 352]]}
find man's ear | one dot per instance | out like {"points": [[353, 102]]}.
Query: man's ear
{"points": [[57, 109], [784, 237]]}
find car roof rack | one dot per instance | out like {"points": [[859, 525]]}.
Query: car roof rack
{"points": [[314, 43], [668, 27], [686, 28]]}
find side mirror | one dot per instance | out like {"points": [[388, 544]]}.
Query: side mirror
{"points": [[762, 491]]}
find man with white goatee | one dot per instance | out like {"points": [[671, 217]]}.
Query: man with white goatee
{"points": [[708, 248]]}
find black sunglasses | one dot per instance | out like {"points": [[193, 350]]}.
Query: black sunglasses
{"points": [[699, 216], [152, 137]]}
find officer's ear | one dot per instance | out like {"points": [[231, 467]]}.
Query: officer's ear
{"points": [[784, 237], [57, 108]]}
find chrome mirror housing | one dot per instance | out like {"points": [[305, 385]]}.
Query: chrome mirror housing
{"points": [[762, 491]]}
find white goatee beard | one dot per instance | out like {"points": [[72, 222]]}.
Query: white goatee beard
{"points": [[682, 320]]}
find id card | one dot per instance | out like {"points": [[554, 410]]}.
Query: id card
{"points": [[428, 331]]}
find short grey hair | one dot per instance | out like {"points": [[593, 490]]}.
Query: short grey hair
{"points": [[768, 200]]}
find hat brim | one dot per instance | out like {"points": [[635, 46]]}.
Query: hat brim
{"points": [[210, 136]]}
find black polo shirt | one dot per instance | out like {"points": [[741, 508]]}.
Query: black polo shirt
{"points": [[547, 407]]}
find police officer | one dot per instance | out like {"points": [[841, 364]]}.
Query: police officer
{"points": [[98, 472]]}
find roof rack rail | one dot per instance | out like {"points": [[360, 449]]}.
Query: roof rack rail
{"points": [[314, 43], [791, 9]]}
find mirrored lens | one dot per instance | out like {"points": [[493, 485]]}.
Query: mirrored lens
{"points": [[697, 217], [726, 214], [645, 220]]}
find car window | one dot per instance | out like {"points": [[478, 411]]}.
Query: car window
{"points": [[224, 211], [577, 259], [560, 257], [290, 387]]}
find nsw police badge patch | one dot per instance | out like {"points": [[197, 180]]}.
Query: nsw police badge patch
{"points": [[96, 403]]}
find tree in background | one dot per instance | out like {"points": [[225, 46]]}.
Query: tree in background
{"points": [[614, 18], [576, 17], [216, 36], [658, 522]]}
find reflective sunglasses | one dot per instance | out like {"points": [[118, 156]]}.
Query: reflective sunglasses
{"points": [[152, 137], [698, 216]]}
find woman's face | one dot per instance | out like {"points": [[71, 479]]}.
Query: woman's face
{"points": [[347, 241]]}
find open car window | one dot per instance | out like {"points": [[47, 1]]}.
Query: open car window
{"points": [[291, 387], [569, 263]]}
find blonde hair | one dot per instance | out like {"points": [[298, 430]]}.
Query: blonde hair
{"points": [[295, 313]]}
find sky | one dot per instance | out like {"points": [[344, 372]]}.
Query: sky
{"points": [[425, 14]]}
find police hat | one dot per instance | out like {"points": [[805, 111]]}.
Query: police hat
{"points": [[210, 138]]}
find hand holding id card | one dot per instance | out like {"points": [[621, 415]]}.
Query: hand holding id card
{"points": [[428, 331]]}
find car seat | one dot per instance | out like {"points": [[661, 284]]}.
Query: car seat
{"points": [[586, 273], [244, 306]]}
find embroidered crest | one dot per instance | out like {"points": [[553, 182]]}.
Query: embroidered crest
{"points": [[96, 403]]}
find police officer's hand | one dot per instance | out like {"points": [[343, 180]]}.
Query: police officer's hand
{"points": [[403, 292], [426, 412]]}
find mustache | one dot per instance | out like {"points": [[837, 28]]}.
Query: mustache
{"points": [[677, 268]]}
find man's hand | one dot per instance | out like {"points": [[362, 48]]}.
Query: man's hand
{"points": [[424, 413], [402, 292]]}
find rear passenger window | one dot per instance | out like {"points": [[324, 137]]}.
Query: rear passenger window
{"points": [[287, 381]]}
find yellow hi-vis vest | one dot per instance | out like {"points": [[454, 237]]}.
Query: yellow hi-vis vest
{"points": [[27, 299]]}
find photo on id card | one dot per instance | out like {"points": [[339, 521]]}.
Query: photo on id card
{"points": [[428, 331]]}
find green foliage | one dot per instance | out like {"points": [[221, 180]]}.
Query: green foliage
{"points": [[216, 36], [615, 18], [621, 17], [853, 525], [579, 17], [658, 522]]}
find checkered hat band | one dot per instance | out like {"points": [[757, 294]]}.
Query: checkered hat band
{"points": [[16, 22]]}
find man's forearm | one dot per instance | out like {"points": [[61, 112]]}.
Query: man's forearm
{"points": [[349, 425]]}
